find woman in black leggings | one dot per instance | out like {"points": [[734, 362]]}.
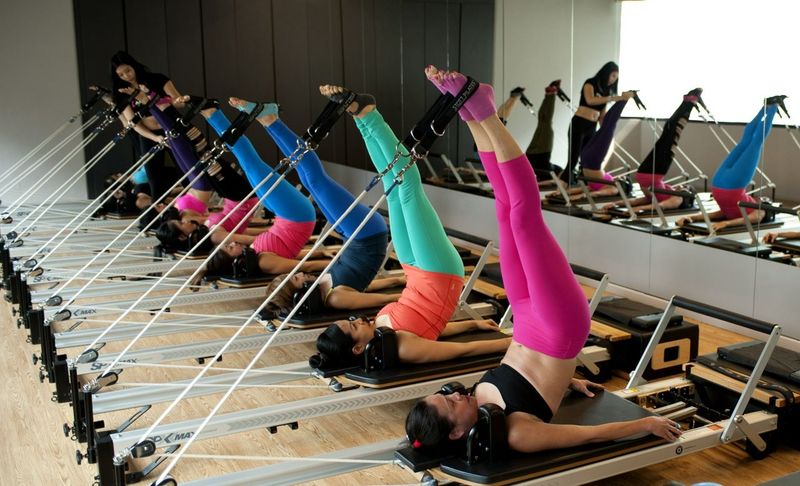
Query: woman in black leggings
{"points": [[597, 91]]}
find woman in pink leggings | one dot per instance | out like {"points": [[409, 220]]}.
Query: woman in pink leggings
{"points": [[551, 315]]}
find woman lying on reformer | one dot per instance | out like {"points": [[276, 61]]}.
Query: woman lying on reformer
{"points": [[433, 268], [551, 315], [277, 249], [351, 282], [656, 164], [730, 181]]}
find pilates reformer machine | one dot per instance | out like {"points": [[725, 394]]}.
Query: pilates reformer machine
{"points": [[431, 127], [713, 411], [716, 405]]}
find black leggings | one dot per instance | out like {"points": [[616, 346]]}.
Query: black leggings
{"points": [[580, 131], [659, 160], [228, 181]]}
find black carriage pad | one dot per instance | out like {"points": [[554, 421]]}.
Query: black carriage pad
{"points": [[619, 310], [701, 228], [575, 409], [783, 364], [118, 215], [323, 320], [403, 374], [645, 225], [193, 256], [246, 282], [791, 246], [622, 212], [557, 200], [714, 373], [744, 247]]}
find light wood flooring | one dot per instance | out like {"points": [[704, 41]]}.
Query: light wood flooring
{"points": [[34, 451]]}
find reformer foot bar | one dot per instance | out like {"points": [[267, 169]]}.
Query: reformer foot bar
{"points": [[641, 220], [491, 462]]}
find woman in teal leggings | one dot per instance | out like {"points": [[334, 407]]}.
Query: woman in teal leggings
{"points": [[434, 271]]}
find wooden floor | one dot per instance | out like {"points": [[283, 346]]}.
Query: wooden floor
{"points": [[33, 449]]}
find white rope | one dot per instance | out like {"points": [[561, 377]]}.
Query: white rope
{"points": [[282, 325], [219, 385], [254, 371], [142, 233], [229, 457], [216, 250]]}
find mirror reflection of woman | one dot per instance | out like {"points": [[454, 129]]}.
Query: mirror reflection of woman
{"points": [[596, 93]]}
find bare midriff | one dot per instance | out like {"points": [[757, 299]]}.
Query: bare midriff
{"points": [[587, 113]]}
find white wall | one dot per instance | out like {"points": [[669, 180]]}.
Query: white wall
{"points": [[39, 86], [537, 41]]}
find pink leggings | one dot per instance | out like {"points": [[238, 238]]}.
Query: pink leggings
{"points": [[551, 314]]}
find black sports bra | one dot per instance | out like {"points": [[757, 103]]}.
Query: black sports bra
{"points": [[518, 393], [583, 102]]}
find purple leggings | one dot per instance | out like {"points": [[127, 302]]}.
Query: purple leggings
{"points": [[596, 149], [551, 314], [182, 151]]}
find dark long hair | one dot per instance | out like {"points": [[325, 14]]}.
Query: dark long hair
{"points": [[171, 238], [117, 60], [425, 427], [335, 348], [600, 80], [220, 265]]}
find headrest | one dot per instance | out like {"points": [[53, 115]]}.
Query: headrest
{"points": [[313, 305], [195, 237], [246, 264]]}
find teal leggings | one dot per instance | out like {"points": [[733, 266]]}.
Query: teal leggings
{"points": [[417, 233]]}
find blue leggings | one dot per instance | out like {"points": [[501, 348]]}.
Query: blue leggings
{"points": [[331, 197], [738, 168], [595, 150], [285, 201]]}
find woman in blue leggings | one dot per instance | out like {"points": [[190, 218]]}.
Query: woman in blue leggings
{"points": [[348, 284], [729, 184]]}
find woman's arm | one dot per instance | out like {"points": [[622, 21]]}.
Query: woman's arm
{"points": [[458, 327], [713, 216], [218, 234], [754, 217], [347, 299], [385, 283], [414, 349], [273, 264], [172, 92], [530, 435], [786, 235], [127, 115]]}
